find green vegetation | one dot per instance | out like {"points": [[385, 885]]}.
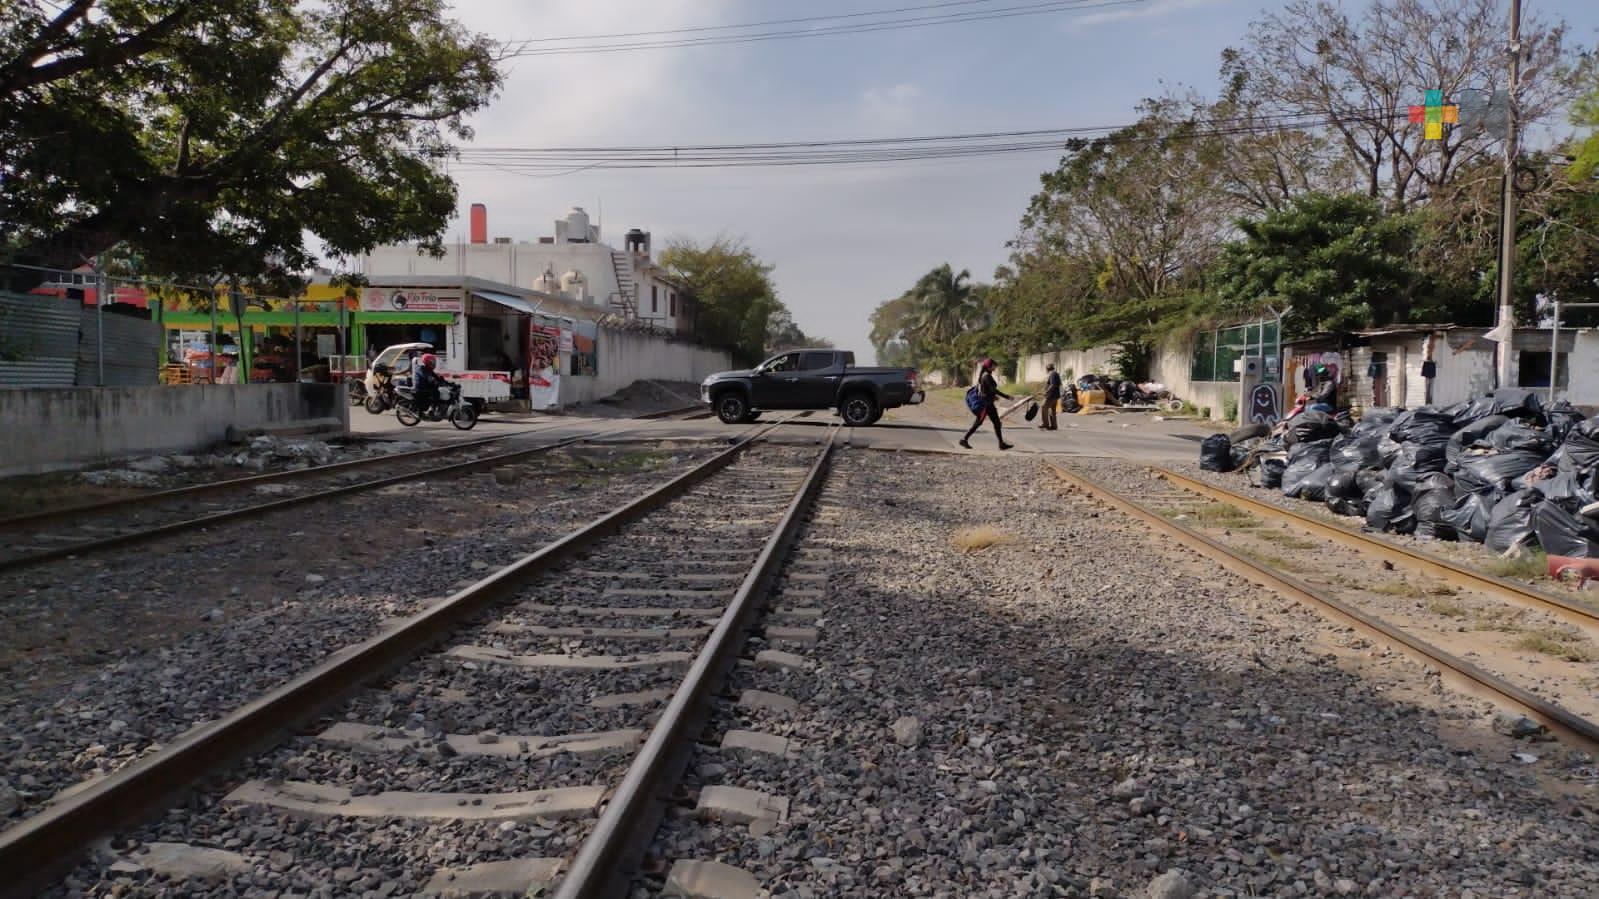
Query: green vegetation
{"points": [[208, 138], [1215, 210], [736, 302]]}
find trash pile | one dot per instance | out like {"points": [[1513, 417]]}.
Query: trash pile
{"points": [[1501, 470]]}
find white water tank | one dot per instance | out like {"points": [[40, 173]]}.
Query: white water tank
{"points": [[577, 225], [574, 285], [547, 282]]}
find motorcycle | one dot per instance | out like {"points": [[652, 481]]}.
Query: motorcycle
{"points": [[383, 398], [449, 405]]}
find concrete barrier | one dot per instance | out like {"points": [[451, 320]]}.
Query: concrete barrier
{"points": [[43, 429]]}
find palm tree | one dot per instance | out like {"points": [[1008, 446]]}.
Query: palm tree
{"points": [[947, 305]]}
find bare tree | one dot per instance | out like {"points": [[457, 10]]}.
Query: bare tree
{"points": [[1358, 77]]}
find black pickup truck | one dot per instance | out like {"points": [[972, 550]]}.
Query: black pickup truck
{"points": [[810, 379]]}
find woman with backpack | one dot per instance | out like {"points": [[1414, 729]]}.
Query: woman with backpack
{"points": [[980, 399]]}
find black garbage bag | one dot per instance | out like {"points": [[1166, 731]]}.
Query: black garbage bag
{"points": [[1239, 455], [1355, 451], [1470, 434], [1415, 460], [1561, 418], [1497, 470], [1581, 447], [1435, 495], [1216, 453], [1376, 417], [1563, 532], [1305, 460], [1310, 426], [1353, 506], [1518, 437], [1470, 514], [1564, 484], [1345, 483], [1514, 402], [1388, 509], [1424, 425], [1271, 472], [1369, 479], [1510, 523]]}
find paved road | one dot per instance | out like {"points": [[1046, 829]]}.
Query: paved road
{"points": [[1130, 436]]}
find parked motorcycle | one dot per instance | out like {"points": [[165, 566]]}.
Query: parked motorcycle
{"points": [[449, 405], [383, 398]]}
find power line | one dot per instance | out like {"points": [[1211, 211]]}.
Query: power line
{"points": [[760, 24], [560, 161], [525, 49]]}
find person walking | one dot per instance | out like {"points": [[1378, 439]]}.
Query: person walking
{"points": [[1047, 420], [987, 391]]}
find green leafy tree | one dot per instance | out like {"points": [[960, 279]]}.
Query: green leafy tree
{"points": [[890, 322], [737, 301], [1338, 262], [215, 134]]}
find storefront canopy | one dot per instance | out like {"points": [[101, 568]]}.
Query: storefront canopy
{"points": [[515, 304]]}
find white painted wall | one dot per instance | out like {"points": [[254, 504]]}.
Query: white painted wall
{"points": [[48, 428], [1079, 362], [626, 356]]}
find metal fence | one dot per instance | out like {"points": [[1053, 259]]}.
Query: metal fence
{"points": [[54, 341], [1216, 351]]}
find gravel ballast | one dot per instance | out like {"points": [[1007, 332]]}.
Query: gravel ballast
{"points": [[1080, 709]]}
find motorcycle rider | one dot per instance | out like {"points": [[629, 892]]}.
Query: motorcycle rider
{"points": [[425, 383], [1324, 395]]}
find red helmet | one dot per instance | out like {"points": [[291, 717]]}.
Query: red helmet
{"points": [[429, 360], [988, 364]]}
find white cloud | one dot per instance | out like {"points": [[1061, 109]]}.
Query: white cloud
{"points": [[1138, 10]]}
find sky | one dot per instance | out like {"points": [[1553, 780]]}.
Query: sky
{"points": [[842, 239]]}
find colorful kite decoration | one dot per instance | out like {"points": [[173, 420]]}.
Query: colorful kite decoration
{"points": [[1434, 115]]}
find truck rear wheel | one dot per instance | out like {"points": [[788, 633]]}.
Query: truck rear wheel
{"points": [[732, 408], [858, 410]]}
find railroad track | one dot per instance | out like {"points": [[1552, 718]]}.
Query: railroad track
{"points": [[1165, 501], [532, 719], [78, 530]]}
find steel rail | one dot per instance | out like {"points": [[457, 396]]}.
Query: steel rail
{"points": [[604, 861], [34, 518], [51, 840], [203, 521], [1463, 673], [668, 413], [1419, 561]]}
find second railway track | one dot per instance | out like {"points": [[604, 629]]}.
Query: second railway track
{"points": [[537, 741], [1368, 590]]}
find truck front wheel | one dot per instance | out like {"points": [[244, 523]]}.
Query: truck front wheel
{"points": [[858, 410], [732, 408]]}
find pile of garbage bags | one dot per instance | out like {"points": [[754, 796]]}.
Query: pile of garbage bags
{"points": [[1501, 470]]}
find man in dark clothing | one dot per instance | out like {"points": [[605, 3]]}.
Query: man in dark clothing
{"points": [[987, 392], [1324, 396], [425, 382], [1047, 419]]}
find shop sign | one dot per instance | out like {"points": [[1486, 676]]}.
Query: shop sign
{"points": [[566, 340], [406, 299]]}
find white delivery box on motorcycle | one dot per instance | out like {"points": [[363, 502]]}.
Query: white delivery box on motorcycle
{"points": [[479, 387]]}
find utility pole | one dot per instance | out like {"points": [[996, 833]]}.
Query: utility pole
{"points": [[1505, 322]]}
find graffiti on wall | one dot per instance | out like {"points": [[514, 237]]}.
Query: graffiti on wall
{"points": [[1263, 405]]}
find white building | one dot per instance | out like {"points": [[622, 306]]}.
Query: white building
{"points": [[572, 264]]}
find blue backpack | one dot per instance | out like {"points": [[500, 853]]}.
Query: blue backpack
{"points": [[974, 400]]}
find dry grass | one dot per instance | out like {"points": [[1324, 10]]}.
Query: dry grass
{"points": [[1399, 588], [1287, 540], [1527, 566], [1447, 609], [981, 537], [1222, 515], [1500, 618], [1558, 643]]}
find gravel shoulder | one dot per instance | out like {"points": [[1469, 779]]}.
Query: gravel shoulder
{"points": [[1091, 709], [107, 657]]}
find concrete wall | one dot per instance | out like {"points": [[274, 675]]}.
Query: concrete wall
{"points": [[627, 356], [1078, 362], [64, 427]]}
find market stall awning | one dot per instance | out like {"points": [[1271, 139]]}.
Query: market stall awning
{"points": [[515, 304]]}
